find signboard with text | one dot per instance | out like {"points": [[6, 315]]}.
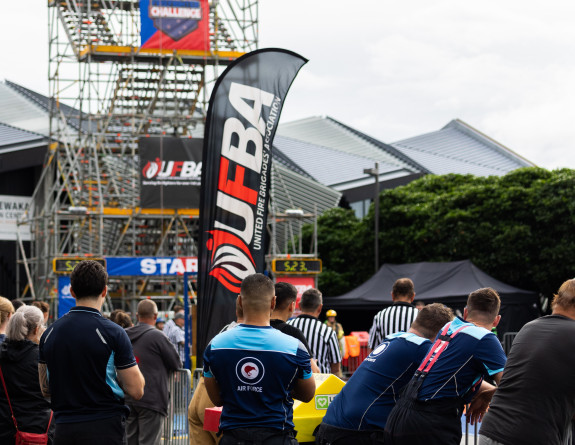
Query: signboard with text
{"points": [[12, 208], [135, 266]]}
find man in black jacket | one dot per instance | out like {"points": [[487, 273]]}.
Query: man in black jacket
{"points": [[156, 357]]}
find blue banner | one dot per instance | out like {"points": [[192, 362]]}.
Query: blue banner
{"points": [[65, 299], [134, 266]]}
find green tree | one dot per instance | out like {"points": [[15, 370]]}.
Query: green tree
{"points": [[517, 228]]}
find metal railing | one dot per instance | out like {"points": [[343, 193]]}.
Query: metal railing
{"points": [[176, 431]]}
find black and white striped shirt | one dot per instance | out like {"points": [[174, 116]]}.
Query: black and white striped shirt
{"points": [[396, 318], [322, 341]]}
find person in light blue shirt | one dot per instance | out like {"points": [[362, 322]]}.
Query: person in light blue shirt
{"points": [[254, 371]]}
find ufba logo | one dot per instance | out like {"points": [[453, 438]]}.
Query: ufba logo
{"points": [[250, 370]]}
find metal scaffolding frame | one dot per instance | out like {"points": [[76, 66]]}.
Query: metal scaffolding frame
{"points": [[106, 92]]}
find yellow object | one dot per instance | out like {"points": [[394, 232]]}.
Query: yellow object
{"points": [[331, 313], [307, 416]]}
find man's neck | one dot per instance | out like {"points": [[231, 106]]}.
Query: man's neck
{"points": [[419, 334], [89, 302], [401, 300], [309, 314], [564, 312], [280, 315], [480, 323], [257, 319], [149, 321]]}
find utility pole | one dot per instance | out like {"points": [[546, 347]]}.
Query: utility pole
{"points": [[375, 173]]}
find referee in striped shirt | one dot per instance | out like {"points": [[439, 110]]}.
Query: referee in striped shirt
{"points": [[322, 339], [396, 318]]}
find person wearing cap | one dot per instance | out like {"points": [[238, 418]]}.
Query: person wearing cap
{"points": [[174, 329], [160, 322], [337, 328]]}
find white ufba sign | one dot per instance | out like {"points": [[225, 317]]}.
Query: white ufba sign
{"points": [[12, 208]]}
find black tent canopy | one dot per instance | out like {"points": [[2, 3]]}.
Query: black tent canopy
{"points": [[448, 282]]}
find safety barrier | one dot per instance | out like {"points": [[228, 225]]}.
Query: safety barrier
{"points": [[350, 364], [176, 430], [470, 430]]}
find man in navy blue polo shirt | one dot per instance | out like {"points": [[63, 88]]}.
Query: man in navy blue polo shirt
{"points": [[86, 364], [359, 412], [466, 351], [254, 370]]}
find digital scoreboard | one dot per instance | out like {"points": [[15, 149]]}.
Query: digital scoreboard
{"points": [[296, 266]]}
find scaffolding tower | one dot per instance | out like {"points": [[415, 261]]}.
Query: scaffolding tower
{"points": [[106, 92]]}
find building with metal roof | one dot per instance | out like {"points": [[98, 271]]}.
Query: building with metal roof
{"points": [[337, 155], [460, 148]]}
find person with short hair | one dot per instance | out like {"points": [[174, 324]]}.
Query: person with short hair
{"points": [[397, 317], [358, 414], [157, 358], [174, 330], [44, 307], [322, 340], [253, 371], [86, 366], [535, 400], [6, 311], [463, 355], [19, 366]]}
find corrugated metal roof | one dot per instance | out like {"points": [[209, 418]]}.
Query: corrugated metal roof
{"points": [[328, 132], [291, 190], [72, 115], [11, 137], [18, 111], [459, 148], [327, 165]]}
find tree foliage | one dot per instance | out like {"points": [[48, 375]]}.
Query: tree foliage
{"points": [[517, 228]]}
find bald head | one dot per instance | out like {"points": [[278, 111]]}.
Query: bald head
{"points": [[147, 312]]}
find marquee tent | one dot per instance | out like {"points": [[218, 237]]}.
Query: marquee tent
{"points": [[449, 283]]}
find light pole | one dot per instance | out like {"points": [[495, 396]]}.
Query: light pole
{"points": [[375, 173]]}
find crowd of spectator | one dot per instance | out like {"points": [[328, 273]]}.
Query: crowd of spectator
{"points": [[89, 379]]}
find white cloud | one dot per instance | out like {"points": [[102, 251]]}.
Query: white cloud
{"points": [[398, 69]]}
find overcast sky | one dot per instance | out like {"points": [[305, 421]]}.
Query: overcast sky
{"points": [[398, 69]]}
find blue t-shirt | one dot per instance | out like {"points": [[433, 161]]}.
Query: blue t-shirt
{"points": [[368, 397], [256, 368], [474, 353], [82, 351]]}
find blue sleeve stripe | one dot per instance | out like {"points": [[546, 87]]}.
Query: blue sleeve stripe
{"points": [[493, 371], [208, 373], [307, 375]]}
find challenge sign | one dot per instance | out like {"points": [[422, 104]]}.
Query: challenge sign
{"points": [[170, 172], [242, 119], [175, 24]]}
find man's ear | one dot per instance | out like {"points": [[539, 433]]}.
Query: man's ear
{"points": [[273, 304], [318, 310], [104, 292], [291, 307], [465, 313], [496, 321], [412, 297]]}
